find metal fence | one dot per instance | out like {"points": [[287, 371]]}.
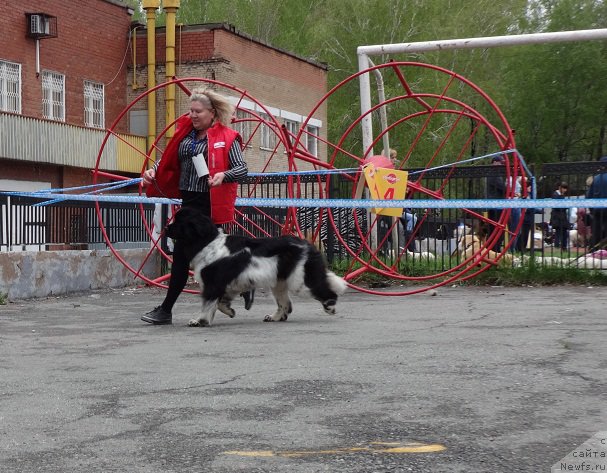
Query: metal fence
{"points": [[76, 225], [70, 225]]}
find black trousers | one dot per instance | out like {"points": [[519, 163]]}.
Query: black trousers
{"points": [[181, 264]]}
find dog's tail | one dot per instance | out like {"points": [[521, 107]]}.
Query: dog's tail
{"points": [[337, 284]]}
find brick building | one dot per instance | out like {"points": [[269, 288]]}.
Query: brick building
{"points": [[287, 86], [62, 77], [66, 73]]}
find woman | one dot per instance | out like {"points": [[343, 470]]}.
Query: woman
{"points": [[213, 189], [559, 219]]}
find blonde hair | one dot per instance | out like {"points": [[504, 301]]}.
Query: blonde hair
{"points": [[215, 101]]}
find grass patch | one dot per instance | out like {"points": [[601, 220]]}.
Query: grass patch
{"points": [[537, 275], [3, 298], [531, 274]]}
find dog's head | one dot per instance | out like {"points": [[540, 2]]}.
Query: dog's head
{"points": [[467, 243], [191, 225]]}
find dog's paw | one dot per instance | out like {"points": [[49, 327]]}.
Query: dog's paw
{"points": [[270, 318], [199, 323], [329, 306], [226, 309]]}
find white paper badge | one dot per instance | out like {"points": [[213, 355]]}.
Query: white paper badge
{"points": [[201, 165]]}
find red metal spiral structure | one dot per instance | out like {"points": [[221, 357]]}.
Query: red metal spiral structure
{"points": [[441, 125]]}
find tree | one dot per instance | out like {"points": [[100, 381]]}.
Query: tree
{"points": [[558, 102], [552, 94]]}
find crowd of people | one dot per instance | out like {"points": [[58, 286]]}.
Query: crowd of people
{"points": [[590, 224]]}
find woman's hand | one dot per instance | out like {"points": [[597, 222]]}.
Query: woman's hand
{"points": [[148, 177], [216, 179]]}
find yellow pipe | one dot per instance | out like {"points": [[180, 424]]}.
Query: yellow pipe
{"points": [[150, 7], [170, 7]]}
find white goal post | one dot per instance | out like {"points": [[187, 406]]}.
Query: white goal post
{"points": [[364, 62]]}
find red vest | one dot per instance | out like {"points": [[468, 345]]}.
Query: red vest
{"points": [[220, 139]]}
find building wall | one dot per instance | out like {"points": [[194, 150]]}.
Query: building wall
{"points": [[91, 45], [277, 79]]}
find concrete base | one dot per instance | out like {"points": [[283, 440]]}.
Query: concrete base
{"points": [[28, 274]]}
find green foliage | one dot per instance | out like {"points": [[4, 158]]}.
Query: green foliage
{"points": [[560, 104], [3, 298], [552, 95]]}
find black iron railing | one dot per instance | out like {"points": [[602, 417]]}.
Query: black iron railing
{"points": [[80, 225]]}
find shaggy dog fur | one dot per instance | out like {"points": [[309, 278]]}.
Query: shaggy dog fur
{"points": [[227, 265]]}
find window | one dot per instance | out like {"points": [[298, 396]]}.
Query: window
{"points": [[10, 87], [53, 96], [243, 125], [268, 137], [94, 114], [292, 127], [312, 140]]}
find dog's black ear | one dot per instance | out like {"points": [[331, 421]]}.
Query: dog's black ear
{"points": [[205, 226], [195, 225]]}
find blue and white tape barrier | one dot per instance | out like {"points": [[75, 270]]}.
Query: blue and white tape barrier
{"points": [[55, 195], [344, 203]]}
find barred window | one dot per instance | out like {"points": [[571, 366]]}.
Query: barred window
{"points": [[268, 137], [10, 87], [53, 96], [94, 110]]}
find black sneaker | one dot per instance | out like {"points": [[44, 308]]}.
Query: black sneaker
{"points": [[158, 316], [248, 297]]}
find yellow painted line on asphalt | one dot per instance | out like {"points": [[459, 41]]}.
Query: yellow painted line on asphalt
{"points": [[375, 447]]}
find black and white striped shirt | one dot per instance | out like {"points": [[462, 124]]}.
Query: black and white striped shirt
{"points": [[190, 147]]}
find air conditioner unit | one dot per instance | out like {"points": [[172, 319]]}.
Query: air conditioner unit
{"points": [[41, 25]]}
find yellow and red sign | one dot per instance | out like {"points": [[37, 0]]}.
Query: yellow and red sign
{"points": [[386, 184]]}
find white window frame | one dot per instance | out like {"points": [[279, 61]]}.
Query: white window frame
{"points": [[311, 139], [292, 128], [10, 87], [53, 96], [94, 104], [267, 136], [243, 127]]}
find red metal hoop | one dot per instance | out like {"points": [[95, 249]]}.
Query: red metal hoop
{"points": [[467, 116]]}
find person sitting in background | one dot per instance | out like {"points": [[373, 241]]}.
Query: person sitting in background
{"points": [[559, 218], [394, 157]]}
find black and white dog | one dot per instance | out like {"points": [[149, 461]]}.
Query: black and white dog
{"points": [[227, 265]]}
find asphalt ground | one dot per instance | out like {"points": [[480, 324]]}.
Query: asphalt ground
{"points": [[474, 379]]}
